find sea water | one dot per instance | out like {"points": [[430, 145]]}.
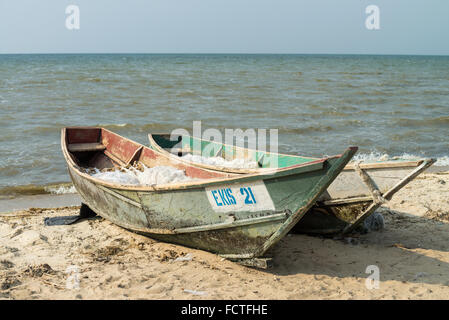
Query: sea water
{"points": [[321, 104]]}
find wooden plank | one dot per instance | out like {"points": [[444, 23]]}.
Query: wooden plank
{"points": [[383, 165], [84, 147], [82, 135], [233, 224], [375, 192], [261, 263], [426, 164], [114, 158], [122, 148], [389, 194], [135, 156], [344, 201]]}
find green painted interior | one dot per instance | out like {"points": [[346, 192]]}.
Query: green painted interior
{"points": [[164, 141], [210, 149]]}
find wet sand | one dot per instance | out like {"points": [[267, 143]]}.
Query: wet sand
{"points": [[94, 259], [39, 201]]}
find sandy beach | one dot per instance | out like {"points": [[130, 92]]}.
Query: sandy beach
{"points": [[95, 259], [220, 125]]}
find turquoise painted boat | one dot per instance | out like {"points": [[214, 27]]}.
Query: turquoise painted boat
{"points": [[239, 217], [349, 200]]}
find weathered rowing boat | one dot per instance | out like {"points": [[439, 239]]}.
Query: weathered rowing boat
{"points": [[236, 216], [354, 195]]}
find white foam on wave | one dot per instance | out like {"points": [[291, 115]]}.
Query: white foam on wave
{"points": [[373, 156], [61, 189], [148, 177], [113, 125], [442, 162], [377, 156], [219, 161]]}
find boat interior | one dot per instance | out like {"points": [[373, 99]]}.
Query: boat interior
{"points": [[181, 145], [100, 148]]}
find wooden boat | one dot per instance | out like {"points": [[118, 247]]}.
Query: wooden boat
{"points": [[354, 195], [238, 217]]}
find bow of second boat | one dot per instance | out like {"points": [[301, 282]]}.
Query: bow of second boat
{"points": [[353, 197], [237, 217]]}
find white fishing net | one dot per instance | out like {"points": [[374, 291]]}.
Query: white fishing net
{"points": [[142, 175]]}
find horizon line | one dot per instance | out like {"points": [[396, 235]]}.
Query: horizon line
{"points": [[224, 53]]}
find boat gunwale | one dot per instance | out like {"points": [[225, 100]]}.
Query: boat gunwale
{"points": [[272, 174], [349, 167]]}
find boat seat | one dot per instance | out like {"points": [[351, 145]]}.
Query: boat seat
{"points": [[85, 147]]}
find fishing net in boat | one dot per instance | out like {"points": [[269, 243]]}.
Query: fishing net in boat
{"points": [[140, 175]]}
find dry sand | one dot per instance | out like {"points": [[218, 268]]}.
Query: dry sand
{"points": [[412, 253]]}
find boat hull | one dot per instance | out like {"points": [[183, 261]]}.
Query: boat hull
{"points": [[186, 216], [238, 217]]}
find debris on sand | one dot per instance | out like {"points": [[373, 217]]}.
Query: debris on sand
{"points": [[39, 270], [374, 222], [168, 255], [6, 264], [106, 254], [438, 215], [196, 293], [187, 257], [9, 282]]}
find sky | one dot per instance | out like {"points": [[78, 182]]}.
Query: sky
{"points": [[225, 26]]}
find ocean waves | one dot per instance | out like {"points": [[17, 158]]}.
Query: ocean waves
{"points": [[319, 104]]}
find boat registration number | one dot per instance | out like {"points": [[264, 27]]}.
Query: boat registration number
{"points": [[252, 197]]}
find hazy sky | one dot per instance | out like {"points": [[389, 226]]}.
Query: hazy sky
{"points": [[225, 26]]}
